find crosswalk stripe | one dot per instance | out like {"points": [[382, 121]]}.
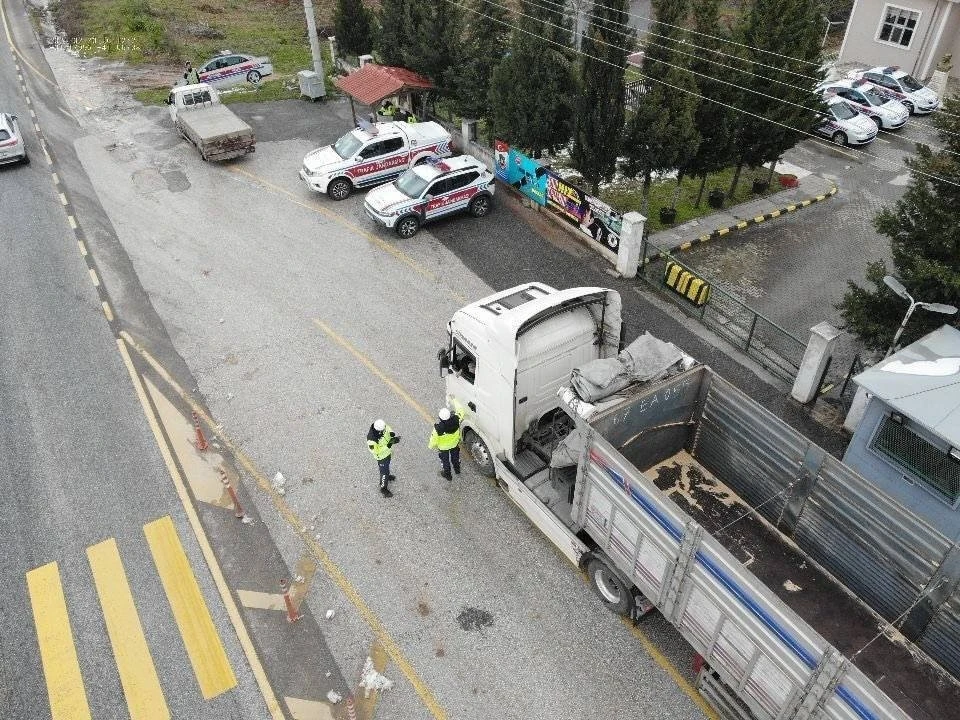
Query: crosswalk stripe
{"points": [[68, 701], [141, 686], [210, 663]]}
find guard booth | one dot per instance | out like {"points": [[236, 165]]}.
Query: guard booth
{"points": [[372, 84]]}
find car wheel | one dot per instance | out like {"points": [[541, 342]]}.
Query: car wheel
{"points": [[910, 108], [479, 206], [879, 123], [26, 159], [480, 453], [609, 587], [253, 77], [839, 138], [408, 227], [339, 189]]}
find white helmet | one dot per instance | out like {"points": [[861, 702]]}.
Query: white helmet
{"points": [[443, 414], [379, 425]]}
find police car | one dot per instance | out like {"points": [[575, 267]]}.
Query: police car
{"points": [[372, 154], [432, 190], [229, 69], [844, 124], [887, 113], [894, 83]]}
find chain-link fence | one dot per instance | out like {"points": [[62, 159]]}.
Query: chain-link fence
{"points": [[761, 338]]}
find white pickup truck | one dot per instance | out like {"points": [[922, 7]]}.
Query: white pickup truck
{"points": [[372, 154], [199, 117]]}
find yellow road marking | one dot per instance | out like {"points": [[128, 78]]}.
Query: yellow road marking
{"points": [[791, 208], [704, 238], [821, 197], [742, 224], [723, 231], [686, 245], [210, 664], [243, 636], [56, 179], [61, 669], [83, 248], [141, 686], [93, 277], [72, 221], [107, 311], [775, 213], [290, 516], [63, 199], [759, 219], [367, 363], [804, 203], [13, 47], [365, 234]]}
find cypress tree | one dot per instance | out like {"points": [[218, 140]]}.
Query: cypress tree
{"points": [[393, 36], [352, 24], [485, 41]]}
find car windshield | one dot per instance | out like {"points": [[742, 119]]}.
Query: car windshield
{"points": [[412, 184], [842, 111], [909, 83], [347, 146], [4, 135], [873, 97]]}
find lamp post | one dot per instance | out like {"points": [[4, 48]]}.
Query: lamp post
{"points": [[898, 288]]}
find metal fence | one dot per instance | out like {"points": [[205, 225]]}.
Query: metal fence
{"points": [[633, 92], [762, 339]]}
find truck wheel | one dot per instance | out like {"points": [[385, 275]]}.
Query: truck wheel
{"points": [[608, 586], [480, 453], [408, 226], [479, 206], [339, 189], [253, 77]]}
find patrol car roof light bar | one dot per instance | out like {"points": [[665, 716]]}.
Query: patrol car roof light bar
{"points": [[367, 126]]}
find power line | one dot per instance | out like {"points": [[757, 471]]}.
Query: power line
{"points": [[689, 92]]}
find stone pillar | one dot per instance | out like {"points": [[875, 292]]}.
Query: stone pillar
{"points": [[823, 338], [938, 83], [631, 242], [333, 51], [857, 408], [468, 128]]}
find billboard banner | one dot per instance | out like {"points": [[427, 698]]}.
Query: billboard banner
{"points": [[523, 173], [589, 214]]}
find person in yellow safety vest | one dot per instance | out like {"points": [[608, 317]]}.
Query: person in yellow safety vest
{"points": [[387, 110], [411, 118], [446, 441], [380, 441]]}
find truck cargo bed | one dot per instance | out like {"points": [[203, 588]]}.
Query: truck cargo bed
{"points": [[887, 659]]}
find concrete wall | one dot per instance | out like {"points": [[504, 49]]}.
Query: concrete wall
{"points": [[936, 33], [890, 478]]}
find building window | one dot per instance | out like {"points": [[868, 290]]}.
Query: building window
{"points": [[931, 465], [897, 25]]}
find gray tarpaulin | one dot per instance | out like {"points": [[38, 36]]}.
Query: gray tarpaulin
{"points": [[645, 359]]}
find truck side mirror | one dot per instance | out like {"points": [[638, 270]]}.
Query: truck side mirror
{"points": [[169, 100], [444, 359]]}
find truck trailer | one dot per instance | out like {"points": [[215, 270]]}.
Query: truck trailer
{"points": [[624, 458]]}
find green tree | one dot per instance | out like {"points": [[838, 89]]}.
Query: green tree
{"points": [[433, 38], [485, 41], [662, 134], [790, 33], [547, 19], [393, 36], [714, 120], [353, 25], [598, 135], [924, 230]]}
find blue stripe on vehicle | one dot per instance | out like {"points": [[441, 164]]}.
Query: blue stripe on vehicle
{"points": [[728, 582]]}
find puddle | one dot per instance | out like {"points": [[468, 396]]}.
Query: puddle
{"points": [[472, 618]]}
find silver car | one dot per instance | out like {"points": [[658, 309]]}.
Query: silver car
{"points": [[12, 147], [230, 69]]}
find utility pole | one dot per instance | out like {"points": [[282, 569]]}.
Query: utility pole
{"points": [[314, 41]]}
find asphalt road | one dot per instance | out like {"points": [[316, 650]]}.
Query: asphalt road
{"points": [[79, 465]]}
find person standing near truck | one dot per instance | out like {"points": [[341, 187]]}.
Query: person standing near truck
{"points": [[380, 441], [445, 439]]}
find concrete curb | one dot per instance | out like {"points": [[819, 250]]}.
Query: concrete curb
{"points": [[720, 232]]}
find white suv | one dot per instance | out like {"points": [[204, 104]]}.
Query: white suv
{"points": [[844, 124], [887, 113], [431, 190], [894, 83]]}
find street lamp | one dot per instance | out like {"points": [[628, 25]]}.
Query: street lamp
{"points": [[897, 287]]}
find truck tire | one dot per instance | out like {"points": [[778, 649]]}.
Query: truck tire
{"points": [[609, 587], [339, 189], [480, 453]]}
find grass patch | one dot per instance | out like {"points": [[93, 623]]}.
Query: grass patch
{"points": [[626, 196], [281, 89]]}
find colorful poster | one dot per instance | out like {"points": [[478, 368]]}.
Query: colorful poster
{"points": [[527, 176], [590, 215], [501, 152]]}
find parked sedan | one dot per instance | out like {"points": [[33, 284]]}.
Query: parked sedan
{"points": [[844, 125], [894, 83], [232, 69], [887, 113], [12, 147]]}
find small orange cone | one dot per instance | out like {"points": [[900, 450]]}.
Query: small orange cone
{"points": [[201, 440], [292, 614], [237, 510]]}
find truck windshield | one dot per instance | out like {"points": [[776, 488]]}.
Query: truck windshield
{"points": [[347, 146], [411, 184]]}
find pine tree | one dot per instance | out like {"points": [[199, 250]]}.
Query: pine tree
{"points": [[433, 34], [714, 120], [485, 41], [393, 36], [662, 134], [352, 23], [547, 19], [924, 229], [598, 136], [789, 30]]}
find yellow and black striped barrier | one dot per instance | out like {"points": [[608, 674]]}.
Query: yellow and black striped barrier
{"points": [[683, 282]]}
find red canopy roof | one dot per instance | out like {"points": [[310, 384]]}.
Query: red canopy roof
{"points": [[373, 83]]}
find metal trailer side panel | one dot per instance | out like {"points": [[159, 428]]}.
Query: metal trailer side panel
{"points": [[756, 643]]}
